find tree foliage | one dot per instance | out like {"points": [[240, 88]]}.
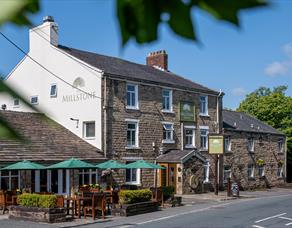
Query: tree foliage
{"points": [[273, 107], [140, 19]]}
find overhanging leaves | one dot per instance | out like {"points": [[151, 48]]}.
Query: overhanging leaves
{"points": [[140, 19]]}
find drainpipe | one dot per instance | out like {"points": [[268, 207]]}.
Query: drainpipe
{"points": [[218, 131], [104, 115]]}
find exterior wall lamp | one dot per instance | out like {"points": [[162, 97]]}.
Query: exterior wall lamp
{"points": [[77, 121]]}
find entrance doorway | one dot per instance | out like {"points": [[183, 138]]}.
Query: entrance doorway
{"points": [[168, 175]]}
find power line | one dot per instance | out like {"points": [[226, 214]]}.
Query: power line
{"points": [[46, 69]]}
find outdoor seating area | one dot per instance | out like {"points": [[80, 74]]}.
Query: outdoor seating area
{"points": [[92, 200]]}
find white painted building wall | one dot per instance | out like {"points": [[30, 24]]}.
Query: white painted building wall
{"points": [[30, 79]]}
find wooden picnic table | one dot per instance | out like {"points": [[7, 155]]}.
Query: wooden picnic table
{"points": [[77, 201]]}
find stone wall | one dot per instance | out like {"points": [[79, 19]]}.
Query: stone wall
{"points": [[150, 117], [265, 148]]}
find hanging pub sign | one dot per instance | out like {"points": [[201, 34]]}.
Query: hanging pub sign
{"points": [[187, 111], [215, 144]]}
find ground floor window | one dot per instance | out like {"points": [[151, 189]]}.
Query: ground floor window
{"points": [[9, 180], [250, 170], [227, 173], [132, 175], [261, 169], [280, 171], [88, 176]]}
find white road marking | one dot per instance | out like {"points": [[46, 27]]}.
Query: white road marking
{"points": [[290, 219], [275, 216], [256, 226], [288, 224]]}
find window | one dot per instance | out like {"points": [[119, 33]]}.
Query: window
{"points": [[132, 96], [280, 171], [189, 137], [88, 176], [227, 173], [16, 102], [34, 100], [203, 105], [250, 170], [167, 133], [132, 134], [89, 129], [206, 171], [250, 144], [261, 169], [167, 100], [132, 175], [227, 144], [9, 180], [204, 138], [280, 146], [53, 92]]}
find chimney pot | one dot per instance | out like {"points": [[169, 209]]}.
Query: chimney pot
{"points": [[48, 19], [158, 59]]}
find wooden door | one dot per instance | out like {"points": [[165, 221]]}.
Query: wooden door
{"points": [[172, 176]]}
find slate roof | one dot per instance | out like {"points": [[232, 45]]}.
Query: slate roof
{"points": [[174, 156], [47, 141], [240, 121], [123, 69]]}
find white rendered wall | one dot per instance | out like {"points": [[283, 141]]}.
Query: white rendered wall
{"points": [[30, 79]]}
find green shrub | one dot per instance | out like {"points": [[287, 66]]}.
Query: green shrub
{"points": [[135, 196], [36, 200], [168, 191]]}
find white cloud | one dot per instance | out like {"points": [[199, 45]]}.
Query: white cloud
{"points": [[238, 91], [279, 68]]}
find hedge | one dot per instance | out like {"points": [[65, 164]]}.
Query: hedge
{"points": [[36, 200], [135, 196]]}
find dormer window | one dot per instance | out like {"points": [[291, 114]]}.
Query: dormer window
{"points": [[280, 146], [250, 144], [16, 102]]}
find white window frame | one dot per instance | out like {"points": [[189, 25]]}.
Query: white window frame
{"points": [[252, 171], [136, 93], [84, 124], [250, 147], [280, 146], [34, 97], [204, 128], [56, 92], [228, 142], [138, 173], [89, 172], [206, 113], [206, 171], [136, 145], [280, 170], [170, 110], [171, 140], [261, 167], [193, 128]]}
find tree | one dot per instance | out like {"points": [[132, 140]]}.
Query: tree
{"points": [[274, 108]]}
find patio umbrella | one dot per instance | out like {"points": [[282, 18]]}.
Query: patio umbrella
{"points": [[72, 163], [141, 164], [111, 164], [24, 165]]}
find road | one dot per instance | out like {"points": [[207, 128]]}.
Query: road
{"points": [[270, 210]]}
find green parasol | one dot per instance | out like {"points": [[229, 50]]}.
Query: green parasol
{"points": [[111, 164], [24, 165], [72, 163]]}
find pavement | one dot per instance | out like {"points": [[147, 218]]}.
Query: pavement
{"points": [[259, 209]]}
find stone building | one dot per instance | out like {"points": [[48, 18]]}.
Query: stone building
{"points": [[255, 154]]}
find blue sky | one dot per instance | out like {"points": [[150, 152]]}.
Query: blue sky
{"points": [[237, 61]]}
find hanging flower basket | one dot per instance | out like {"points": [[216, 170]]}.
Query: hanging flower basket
{"points": [[260, 162], [280, 162]]}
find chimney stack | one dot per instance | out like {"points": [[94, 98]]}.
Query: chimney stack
{"points": [[158, 59]]}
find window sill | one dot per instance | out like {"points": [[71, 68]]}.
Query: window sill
{"points": [[17, 106], [251, 179], [204, 115], [132, 148], [229, 152], [132, 108], [280, 153], [89, 138], [168, 141], [167, 111], [204, 149], [133, 183]]}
